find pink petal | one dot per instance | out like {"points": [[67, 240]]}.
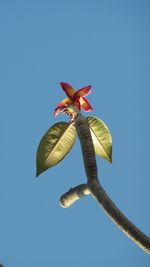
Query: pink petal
{"points": [[82, 92], [64, 103], [57, 111], [68, 89], [77, 104], [85, 104]]}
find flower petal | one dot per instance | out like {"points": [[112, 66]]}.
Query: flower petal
{"points": [[85, 104], [68, 89], [57, 111], [64, 103], [82, 92], [77, 104]]}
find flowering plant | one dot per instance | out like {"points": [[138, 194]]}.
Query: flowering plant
{"points": [[94, 137]]}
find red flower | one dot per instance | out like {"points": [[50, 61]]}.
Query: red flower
{"points": [[76, 99]]}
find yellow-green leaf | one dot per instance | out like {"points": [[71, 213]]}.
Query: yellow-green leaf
{"points": [[54, 146], [101, 137]]}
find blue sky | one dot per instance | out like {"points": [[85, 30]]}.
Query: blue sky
{"points": [[102, 43]]}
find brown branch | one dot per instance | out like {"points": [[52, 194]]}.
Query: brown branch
{"points": [[93, 186]]}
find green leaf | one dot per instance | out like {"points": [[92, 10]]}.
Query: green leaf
{"points": [[101, 137], [54, 146]]}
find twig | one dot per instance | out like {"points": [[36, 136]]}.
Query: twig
{"points": [[74, 194]]}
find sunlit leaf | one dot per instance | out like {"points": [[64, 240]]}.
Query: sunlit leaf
{"points": [[101, 137], [55, 145]]}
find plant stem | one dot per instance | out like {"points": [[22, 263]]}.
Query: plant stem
{"points": [[98, 192]]}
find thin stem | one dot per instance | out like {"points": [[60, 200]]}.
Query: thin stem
{"points": [[88, 152]]}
